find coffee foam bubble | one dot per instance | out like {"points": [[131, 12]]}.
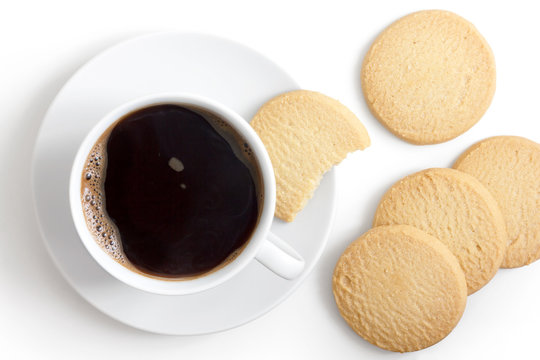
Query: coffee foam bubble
{"points": [[98, 222]]}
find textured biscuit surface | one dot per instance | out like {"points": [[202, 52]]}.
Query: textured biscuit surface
{"points": [[399, 288], [305, 133], [458, 210], [509, 167], [429, 76]]}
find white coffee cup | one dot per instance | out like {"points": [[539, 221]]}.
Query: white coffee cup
{"points": [[263, 246]]}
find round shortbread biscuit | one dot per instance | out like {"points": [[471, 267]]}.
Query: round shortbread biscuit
{"points": [[458, 210], [509, 167], [429, 77], [399, 288], [305, 134]]}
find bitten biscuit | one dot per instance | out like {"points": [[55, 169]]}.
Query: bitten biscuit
{"points": [[509, 167], [458, 210], [399, 288], [305, 133], [429, 77]]}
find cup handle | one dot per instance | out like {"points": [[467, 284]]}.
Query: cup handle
{"points": [[280, 257]]}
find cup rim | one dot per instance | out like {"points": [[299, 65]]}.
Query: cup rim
{"points": [[174, 286]]}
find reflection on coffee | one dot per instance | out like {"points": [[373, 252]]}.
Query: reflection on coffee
{"points": [[171, 192]]}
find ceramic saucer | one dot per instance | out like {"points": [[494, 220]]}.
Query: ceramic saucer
{"points": [[213, 67]]}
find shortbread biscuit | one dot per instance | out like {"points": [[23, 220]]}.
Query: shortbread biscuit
{"points": [[429, 77], [509, 167], [305, 133], [458, 210], [399, 288]]}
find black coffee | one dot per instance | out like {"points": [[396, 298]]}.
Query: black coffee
{"points": [[174, 190]]}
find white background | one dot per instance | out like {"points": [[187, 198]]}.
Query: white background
{"points": [[321, 44]]}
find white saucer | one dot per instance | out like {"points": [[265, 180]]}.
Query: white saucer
{"points": [[217, 68]]}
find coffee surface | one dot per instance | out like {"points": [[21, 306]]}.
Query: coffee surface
{"points": [[181, 197]]}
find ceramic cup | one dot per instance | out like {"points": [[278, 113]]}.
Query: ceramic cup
{"points": [[263, 246]]}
